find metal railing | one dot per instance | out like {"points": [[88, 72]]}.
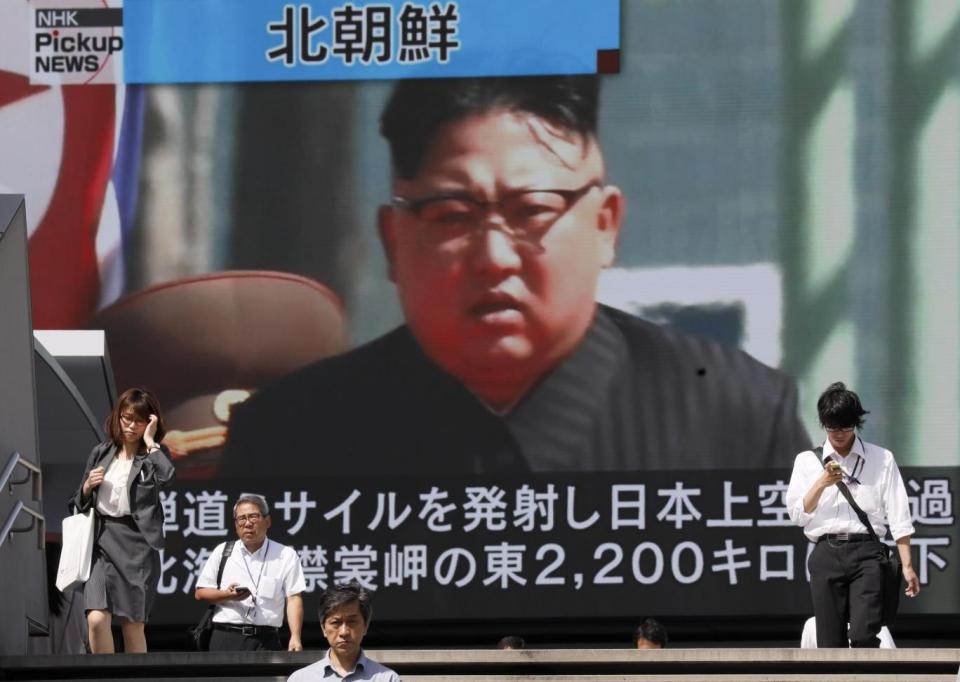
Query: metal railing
{"points": [[37, 520]]}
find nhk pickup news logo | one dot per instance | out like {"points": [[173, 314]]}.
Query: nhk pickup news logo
{"points": [[76, 42]]}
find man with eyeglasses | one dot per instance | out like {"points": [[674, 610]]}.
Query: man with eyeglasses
{"points": [[261, 579], [500, 222], [848, 564]]}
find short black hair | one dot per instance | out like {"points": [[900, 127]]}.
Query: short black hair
{"points": [[418, 108], [512, 642], [336, 596], [840, 408], [652, 631]]}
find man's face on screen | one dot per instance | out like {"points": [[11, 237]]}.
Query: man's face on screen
{"points": [[496, 278]]}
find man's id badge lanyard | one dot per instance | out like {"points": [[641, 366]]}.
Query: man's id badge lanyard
{"points": [[858, 467], [256, 583]]}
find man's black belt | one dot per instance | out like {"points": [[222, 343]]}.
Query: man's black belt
{"points": [[845, 537], [247, 630]]}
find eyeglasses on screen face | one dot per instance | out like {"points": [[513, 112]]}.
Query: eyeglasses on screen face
{"points": [[526, 214], [839, 429]]}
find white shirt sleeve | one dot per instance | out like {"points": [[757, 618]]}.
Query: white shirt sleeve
{"points": [[806, 468], [208, 576], [895, 501], [293, 580]]}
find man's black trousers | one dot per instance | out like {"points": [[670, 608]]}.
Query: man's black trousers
{"points": [[846, 582]]}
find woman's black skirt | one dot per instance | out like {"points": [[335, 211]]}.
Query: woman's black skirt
{"points": [[125, 571]]}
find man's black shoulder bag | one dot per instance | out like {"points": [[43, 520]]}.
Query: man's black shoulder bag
{"points": [[200, 633], [893, 573]]}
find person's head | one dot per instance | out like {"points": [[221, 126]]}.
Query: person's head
{"points": [[497, 278], [511, 642], [251, 514], [130, 415], [345, 614], [841, 414], [650, 635]]}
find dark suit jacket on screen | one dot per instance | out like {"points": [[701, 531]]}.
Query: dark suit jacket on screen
{"points": [[149, 473], [633, 396]]}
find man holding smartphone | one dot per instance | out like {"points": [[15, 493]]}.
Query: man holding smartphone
{"points": [[261, 579], [849, 563]]}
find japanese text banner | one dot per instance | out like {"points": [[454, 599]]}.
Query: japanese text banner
{"points": [[172, 41], [682, 543]]}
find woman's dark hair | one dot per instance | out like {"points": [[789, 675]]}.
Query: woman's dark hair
{"points": [[336, 596], [418, 108], [840, 408], [142, 403]]}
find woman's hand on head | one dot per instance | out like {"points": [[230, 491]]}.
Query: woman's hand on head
{"points": [[150, 431]]}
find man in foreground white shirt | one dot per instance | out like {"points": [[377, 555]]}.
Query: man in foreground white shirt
{"points": [[345, 613]]}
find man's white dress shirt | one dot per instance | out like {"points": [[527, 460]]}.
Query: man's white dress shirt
{"points": [[874, 480], [272, 574]]}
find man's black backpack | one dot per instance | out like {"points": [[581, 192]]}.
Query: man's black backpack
{"points": [[199, 634]]}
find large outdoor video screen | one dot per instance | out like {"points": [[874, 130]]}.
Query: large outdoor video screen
{"points": [[403, 353]]}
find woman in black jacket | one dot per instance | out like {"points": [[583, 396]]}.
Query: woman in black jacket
{"points": [[122, 481]]}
